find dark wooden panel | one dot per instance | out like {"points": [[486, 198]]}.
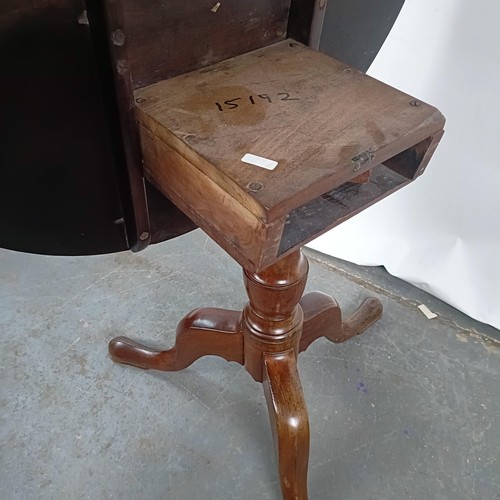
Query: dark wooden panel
{"points": [[332, 208], [64, 188], [58, 187], [106, 19], [168, 38], [300, 19], [149, 216], [165, 219], [407, 163]]}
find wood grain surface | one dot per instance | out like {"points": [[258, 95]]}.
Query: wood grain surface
{"points": [[266, 338], [312, 115], [341, 140], [170, 38]]}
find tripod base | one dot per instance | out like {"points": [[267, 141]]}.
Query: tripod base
{"points": [[266, 337]]}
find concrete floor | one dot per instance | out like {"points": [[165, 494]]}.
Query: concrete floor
{"points": [[410, 409]]}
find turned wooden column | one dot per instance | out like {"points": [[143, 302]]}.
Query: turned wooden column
{"points": [[272, 319], [272, 326]]}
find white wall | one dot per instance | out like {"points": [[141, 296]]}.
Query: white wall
{"points": [[442, 233]]}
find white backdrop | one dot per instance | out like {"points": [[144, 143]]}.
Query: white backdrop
{"points": [[442, 233]]}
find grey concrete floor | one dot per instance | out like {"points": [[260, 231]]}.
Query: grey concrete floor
{"points": [[410, 409]]}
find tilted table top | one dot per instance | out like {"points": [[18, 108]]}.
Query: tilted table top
{"points": [[322, 125]]}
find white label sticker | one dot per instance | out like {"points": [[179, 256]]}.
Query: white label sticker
{"points": [[427, 311], [259, 161]]}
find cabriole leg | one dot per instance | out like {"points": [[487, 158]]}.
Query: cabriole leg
{"points": [[202, 332]]}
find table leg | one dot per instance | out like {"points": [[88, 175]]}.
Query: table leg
{"points": [[323, 318], [202, 332], [289, 421]]}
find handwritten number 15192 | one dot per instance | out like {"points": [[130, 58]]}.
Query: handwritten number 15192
{"points": [[233, 103]]}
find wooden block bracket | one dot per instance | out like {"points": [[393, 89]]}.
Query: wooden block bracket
{"points": [[341, 140]]}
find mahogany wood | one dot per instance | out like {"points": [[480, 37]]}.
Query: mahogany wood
{"points": [[59, 188], [107, 26], [342, 141], [289, 422], [272, 320], [325, 125], [272, 325], [323, 318], [148, 216], [169, 38], [275, 325], [200, 333]]}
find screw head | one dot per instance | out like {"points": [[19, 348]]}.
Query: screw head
{"points": [[415, 103], [140, 100], [255, 186], [118, 38], [122, 66]]}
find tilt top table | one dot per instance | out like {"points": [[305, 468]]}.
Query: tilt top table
{"points": [[265, 151]]}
